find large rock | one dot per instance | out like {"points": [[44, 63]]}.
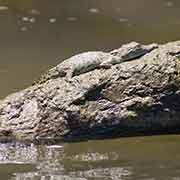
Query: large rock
{"points": [[140, 96]]}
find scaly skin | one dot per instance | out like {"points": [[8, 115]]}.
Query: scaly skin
{"points": [[130, 51], [76, 65], [89, 61]]}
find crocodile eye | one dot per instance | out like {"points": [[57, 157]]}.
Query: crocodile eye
{"points": [[62, 73], [114, 53]]}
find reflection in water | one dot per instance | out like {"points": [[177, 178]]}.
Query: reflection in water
{"points": [[18, 153], [91, 157], [119, 159], [49, 162], [104, 173]]}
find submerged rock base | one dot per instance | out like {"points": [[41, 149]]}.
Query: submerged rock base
{"points": [[140, 96]]}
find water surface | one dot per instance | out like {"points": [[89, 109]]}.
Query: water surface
{"points": [[142, 158], [38, 34]]}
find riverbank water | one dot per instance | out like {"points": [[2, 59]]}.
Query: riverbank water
{"points": [[138, 158]]}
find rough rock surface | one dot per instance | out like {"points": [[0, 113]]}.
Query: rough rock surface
{"points": [[138, 96], [91, 60]]}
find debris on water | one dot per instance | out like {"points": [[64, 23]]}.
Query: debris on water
{"points": [[122, 20], [34, 12], [3, 8], [169, 4], [32, 20], [52, 20], [94, 10], [25, 19], [28, 19], [72, 18], [24, 28]]}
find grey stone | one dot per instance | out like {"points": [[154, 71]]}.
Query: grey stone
{"points": [[137, 96]]}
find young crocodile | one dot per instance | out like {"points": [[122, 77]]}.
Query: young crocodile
{"points": [[130, 51], [76, 65], [89, 61]]}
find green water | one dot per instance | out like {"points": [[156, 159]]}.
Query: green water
{"points": [[142, 158], [38, 34]]}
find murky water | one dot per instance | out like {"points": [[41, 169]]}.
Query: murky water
{"points": [[149, 158], [37, 34]]}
